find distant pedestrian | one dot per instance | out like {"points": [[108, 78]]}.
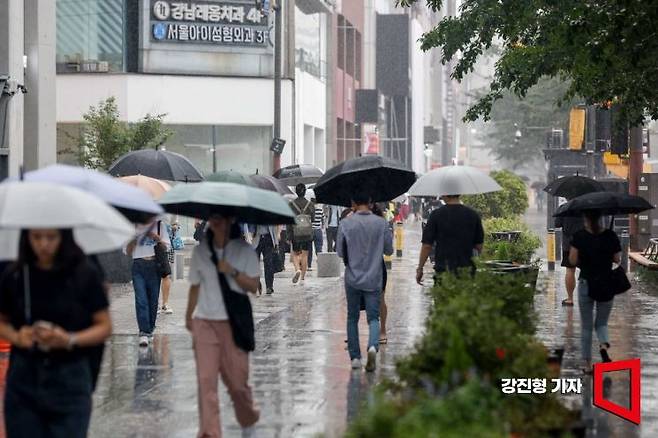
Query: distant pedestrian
{"points": [[318, 228], [147, 276], [266, 243], [333, 218], [302, 233], [457, 232], [167, 280], [54, 339], [379, 210], [570, 226], [215, 350], [594, 250], [363, 239]]}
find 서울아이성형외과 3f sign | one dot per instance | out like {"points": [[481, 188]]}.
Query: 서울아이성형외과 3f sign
{"points": [[217, 23]]}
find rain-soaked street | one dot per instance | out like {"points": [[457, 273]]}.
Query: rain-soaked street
{"points": [[300, 371]]}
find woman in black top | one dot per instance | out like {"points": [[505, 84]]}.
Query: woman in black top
{"points": [[53, 310], [594, 250]]}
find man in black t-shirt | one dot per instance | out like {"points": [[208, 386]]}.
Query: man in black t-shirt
{"points": [[457, 232]]}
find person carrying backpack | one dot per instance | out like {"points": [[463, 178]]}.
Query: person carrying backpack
{"points": [[302, 233]]}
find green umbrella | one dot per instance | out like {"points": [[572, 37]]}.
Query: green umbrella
{"points": [[231, 176], [248, 204]]}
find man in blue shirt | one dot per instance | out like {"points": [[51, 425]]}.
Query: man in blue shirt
{"points": [[363, 239]]}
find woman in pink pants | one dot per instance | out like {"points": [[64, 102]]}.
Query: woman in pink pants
{"points": [[215, 351]]}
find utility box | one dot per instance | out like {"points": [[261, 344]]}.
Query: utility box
{"points": [[648, 220]]}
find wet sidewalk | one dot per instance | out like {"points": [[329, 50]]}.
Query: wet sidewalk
{"points": [[300, 371], [633, 329]]}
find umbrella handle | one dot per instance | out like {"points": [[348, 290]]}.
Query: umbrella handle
{"points": [[27, 294]]}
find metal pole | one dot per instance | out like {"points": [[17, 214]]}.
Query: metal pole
{"points": [[635, 170], [278, 37], [590, 164], [214, 149]]}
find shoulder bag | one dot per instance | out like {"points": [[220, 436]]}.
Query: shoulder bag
{"points": [[238, 308], [604, 287], [162, 257]]}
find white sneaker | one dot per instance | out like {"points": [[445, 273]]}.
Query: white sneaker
{"points": [[167, 310], [356, 364], [372, 359], [249, 432], [295, 278], [301, 282], [143, 341]]}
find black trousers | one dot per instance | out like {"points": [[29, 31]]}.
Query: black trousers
{"points": [[266, 248], [46, 398]]}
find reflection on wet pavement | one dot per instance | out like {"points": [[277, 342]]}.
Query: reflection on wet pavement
{"points": [[633, 334], [300, 370]]}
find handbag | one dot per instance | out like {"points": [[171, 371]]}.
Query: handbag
{"points": [[161, 257], [238, 308], [277, 260], [605, 287]]}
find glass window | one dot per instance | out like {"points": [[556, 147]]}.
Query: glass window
{"points": [[90, 36], [308, 42], [340, 61]]}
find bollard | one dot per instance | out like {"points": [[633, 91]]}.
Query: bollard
{"points": [[399, 239], [388, 261], [558, 244], [550, 249], [625, 243]]}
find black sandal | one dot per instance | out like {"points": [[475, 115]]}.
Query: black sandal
{"points": [[605, 357], [566, 302]]}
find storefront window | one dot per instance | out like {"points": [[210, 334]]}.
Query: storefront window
{"points": [[90, 36]]}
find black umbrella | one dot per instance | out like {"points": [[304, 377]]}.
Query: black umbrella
{"points": [[270, 183], [298, 173], [163, 165], [606, 203], [573, 186], [382, 179]]}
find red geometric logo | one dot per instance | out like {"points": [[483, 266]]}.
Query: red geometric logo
{"points": [[633, 365]]}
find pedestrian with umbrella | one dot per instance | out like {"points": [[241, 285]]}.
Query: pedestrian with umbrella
{"points": [[597, 252], [53, 306], [298, 173], [363, 238], [223, 269], [571, 187], [454, 231], [302, 234]]}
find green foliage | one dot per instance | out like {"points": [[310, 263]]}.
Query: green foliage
{"points": [[518, 251], [600, 46], [479, 331], [104, 138], [511, 201]]}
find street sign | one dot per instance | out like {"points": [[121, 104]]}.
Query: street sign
{"points": [[277, 145]]}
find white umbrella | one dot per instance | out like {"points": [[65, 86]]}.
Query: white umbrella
{"points": [[96, 226], [454, 180]]}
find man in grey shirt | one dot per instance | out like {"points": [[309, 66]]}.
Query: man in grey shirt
{"points": [[363, 239]]}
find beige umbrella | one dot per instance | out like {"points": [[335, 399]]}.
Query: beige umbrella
{"points": [[152, 186]]}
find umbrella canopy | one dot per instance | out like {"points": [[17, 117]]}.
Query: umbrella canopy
{"points": [[133, 203], [382, 179], [454, 180], [272, 184], [231, 176], [248, 204], [152, 186], [298, 173], [96, 226], [573, 186], [164, 165], [606, 203]]}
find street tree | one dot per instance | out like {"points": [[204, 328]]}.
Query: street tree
{"points": [[104, 138], [604, 48], [532, 116], [510, 202]]}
